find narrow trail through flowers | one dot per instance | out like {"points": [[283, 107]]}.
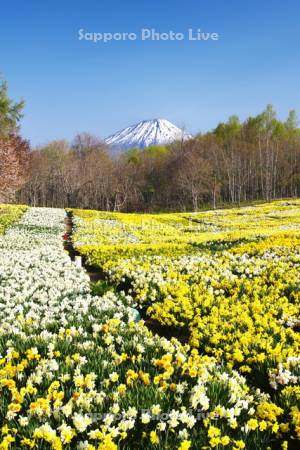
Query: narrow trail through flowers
{"points": [[95, 275]]}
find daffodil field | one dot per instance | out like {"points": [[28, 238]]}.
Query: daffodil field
{"points": [[9, 214], [228, 280], [77, 371]]}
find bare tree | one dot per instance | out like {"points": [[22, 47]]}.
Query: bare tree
{"points": [[14, 157]]}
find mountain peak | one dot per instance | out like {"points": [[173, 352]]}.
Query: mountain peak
{"points": [[146, 133]]}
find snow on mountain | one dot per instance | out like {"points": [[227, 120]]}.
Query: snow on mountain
{"points": [[145, 133]]}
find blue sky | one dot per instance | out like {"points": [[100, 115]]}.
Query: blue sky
{"points": [[72, 86]]}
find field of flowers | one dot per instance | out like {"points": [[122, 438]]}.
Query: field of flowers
{"points": [[228, 280], [77, 372]]}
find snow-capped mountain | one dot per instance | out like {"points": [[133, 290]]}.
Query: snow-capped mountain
{"points": [[145, 133]]}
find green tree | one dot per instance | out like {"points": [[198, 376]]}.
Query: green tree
{"points": [[10, 111], [229, 130], [292, 124], [133, 156], [156, 151]]}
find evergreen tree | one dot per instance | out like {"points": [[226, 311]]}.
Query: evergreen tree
{"points": [[10, 111]]}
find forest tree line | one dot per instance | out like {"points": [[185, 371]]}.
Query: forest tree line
{"points": [[258, 159]]}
